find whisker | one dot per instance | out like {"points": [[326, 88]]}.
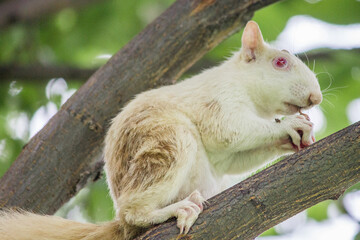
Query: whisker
{"points": [[327, 73], [323, 109], [330, 95], [335, 89], [313, 66], [307, 58], [329, 102], [331, 78]]}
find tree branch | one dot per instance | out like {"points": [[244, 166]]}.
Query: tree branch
{"points": [[45, 72], [57, 161], [322, 171], [14, 11]]}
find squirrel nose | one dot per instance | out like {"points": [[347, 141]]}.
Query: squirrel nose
{"points": [[315, 99]]}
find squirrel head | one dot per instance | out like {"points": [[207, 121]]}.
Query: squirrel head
{"points": [[277, 81]]}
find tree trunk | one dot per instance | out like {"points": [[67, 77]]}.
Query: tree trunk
{"points": [[66, 153], [322, 171]]}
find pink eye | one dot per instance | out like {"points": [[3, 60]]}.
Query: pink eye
{"points": [[280, 62]]}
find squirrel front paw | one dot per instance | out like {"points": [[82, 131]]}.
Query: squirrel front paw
{"points": [[300, 131]]}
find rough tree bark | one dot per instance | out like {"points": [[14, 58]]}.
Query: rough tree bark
{"points": [[320, 172], [66, 153]]}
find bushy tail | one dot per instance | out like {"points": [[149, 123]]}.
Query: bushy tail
{"points": [[20, 225]]}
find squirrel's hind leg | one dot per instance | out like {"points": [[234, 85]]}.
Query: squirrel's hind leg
{"points": [[186, 211], [168, 195]]}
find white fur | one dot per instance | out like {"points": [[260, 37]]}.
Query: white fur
{"points": [[230, 111]]}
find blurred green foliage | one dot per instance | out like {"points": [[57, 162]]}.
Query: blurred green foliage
{"points": [[77, 37]]}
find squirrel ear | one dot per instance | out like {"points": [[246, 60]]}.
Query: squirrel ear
{"points": [[252, 41]]}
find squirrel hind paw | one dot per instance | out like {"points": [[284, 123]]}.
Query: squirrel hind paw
{"points": [[189, 211]]}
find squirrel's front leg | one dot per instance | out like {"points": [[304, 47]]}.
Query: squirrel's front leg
{"points": [[285, 136], [253, 132]]}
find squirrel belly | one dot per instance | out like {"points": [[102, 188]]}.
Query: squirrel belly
{"points": [[170, 148]]}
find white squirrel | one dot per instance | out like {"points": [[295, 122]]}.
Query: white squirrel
{"points": [[169, 149]]}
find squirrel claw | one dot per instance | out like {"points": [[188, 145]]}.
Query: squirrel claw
{"points": [[189, 212]]}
